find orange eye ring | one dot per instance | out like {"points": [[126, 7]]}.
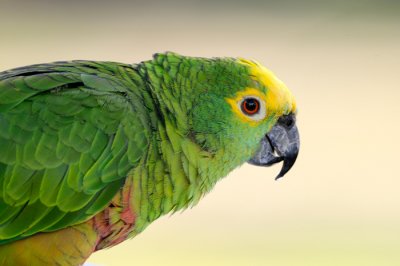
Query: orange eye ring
{"points": [[250, 106]]}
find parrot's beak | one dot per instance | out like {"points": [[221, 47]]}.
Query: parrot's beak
{"points": [[282, 143]]}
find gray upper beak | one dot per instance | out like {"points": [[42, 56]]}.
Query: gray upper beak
{"points": [[282, 143]]}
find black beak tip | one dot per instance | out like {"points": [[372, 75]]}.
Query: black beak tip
{"points": [[279, 176], [288, 162]]}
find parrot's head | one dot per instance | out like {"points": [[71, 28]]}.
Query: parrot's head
{"points": [[236, 109]]}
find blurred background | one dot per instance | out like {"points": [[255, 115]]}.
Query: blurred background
{"points": [[340, 204]]}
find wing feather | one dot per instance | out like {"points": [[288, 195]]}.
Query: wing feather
{"points": [[69, 135]]}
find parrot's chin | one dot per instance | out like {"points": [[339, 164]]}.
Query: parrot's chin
{"points": [[282, 143]]}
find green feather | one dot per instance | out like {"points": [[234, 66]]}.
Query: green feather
{"points": [[51, 182], [28, 215], [64, 147]]}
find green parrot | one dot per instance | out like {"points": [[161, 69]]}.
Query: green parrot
{"points": [[93, 152]]}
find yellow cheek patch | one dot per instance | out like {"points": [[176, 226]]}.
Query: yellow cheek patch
{"points": [[278, 98], [233, 102]]}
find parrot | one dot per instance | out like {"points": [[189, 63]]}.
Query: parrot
{"points": [[92, 152]]}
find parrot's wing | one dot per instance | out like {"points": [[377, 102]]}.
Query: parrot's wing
{"points": [[69, 134]]}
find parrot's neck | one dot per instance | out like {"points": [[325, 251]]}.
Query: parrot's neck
{"points": [[177, 171], [175, 174]]}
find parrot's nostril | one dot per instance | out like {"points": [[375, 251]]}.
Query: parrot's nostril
{"points": [[287, 121]]}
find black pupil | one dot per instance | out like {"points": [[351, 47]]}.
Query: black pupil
{"points": [[251, 105]]}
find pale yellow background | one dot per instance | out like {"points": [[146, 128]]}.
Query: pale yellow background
{"points": [[340, 205]]}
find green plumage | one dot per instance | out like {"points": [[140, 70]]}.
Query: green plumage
{"points": [[82, 140], [69, 131]]}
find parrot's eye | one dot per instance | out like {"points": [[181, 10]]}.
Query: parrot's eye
{"points": [[253, 107], [250, 106]]}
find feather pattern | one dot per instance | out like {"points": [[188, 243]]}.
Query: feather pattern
{"points": [[64, 142]]}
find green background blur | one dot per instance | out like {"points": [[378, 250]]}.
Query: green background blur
{"points": [[340, 205]]}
